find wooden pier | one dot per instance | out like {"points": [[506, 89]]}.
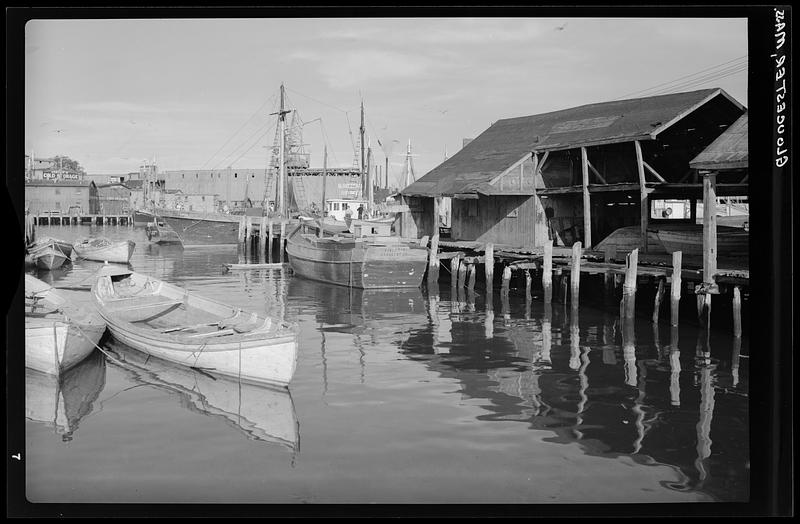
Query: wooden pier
{"points": [[59, 219], [260, 233], [678, 273]]}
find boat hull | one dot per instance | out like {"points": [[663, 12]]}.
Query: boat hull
{"points": [[730, 241], [147, 323], [54, 346], [204, 230], [365, 264], [49, 259], [141, 217], [118, 252]]}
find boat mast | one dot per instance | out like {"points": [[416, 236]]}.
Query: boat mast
{"points": [[361, 131], [324, 178], [281, 160], [369, 181]]}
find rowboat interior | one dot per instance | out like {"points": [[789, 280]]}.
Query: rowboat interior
{"points": [[170, 311]]}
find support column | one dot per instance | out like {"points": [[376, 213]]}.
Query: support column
{"points": [[645, 209], [575, 273], [675, 288], [489, 265], [547, 272], [587, 212], [709, 227]]}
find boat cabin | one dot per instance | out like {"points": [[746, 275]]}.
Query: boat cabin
{"points": [[339, 207]]}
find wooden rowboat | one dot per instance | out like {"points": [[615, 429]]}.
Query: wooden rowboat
{"points": [[48, 254], [59, 333], [361, 262], [105, 250], [168, 322], [158, 232], [731, 241]]}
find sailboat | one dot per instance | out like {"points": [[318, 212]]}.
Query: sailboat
{"points": [[195, 228], [368, 257]]}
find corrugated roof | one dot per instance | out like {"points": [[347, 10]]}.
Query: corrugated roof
{"points": [[508, 140], [728, 151]]}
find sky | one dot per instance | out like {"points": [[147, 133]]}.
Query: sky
{"points": [[198, 93]]}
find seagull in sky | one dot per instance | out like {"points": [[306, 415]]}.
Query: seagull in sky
{"points": [[561, 27], [444, 112]]}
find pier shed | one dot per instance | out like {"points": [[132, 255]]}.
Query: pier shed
{"points": [[114, 198], [64, 197], [576, 174]]}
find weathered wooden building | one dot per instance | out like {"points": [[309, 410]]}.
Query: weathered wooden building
{"points": [[114, 199], [573, 174], [67, 197]]}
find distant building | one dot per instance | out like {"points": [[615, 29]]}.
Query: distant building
{"points": [[61, 196], [114, 199]]}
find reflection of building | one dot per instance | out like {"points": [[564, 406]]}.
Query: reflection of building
{"points": [[64, 197]]}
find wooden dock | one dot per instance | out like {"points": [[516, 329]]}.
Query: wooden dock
{"points": [[58, 219], [681, 274]]}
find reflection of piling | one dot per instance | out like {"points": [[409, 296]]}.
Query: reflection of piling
{"points": [[528, 285], [454, 262], [547, 338], [462, 274], [471, 270], [489, 265], [675, 368], [547, 272], [575, 274], [629, 351]]}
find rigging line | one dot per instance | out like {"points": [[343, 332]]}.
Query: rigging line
{"points": [[237, 131], [315, 100], [706, 77], [685, 76], [328, 141], [245, 142], [699, 81], [350, 129], [254, 143]]}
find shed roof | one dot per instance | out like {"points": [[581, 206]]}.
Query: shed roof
{"points": [[728, 151], [509, 140]]}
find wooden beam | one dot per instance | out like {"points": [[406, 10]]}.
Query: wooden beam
{"points": [[587, 213], [653, 171], [596, 173], [645, 211], [709, 227]]}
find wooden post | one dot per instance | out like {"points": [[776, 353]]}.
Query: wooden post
{"points": [[433, 259], [462, 274], [489, 264], [629, 288], [454, 275], [675, 288], [241, 228], [435, 218], [575, 273], [657, 301], [704, 309], [262, 234], [737, 312], [528, 284], [709, 227], [645, 211], [471, 270], [547, 272], [587, 213], [506, 280], [269, 240], [282, 241]]}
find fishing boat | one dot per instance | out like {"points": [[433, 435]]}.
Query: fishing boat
{"points": [[63, 245], [357, 261], [47, 254], [60, 403], [158, 232], [195, 228], [260, 412], [59, 333], [688, 238], [141, 217], [168, 322], [105, 250]]}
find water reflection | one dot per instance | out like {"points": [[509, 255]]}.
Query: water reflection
{"points": [[259, 412], [572, 372], [62, 403]]}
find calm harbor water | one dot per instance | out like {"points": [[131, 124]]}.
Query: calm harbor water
{"points": [[399, 397]]}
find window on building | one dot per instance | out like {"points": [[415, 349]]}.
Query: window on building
{"points": [[336, 206], [236, 175], [671, 209]]}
